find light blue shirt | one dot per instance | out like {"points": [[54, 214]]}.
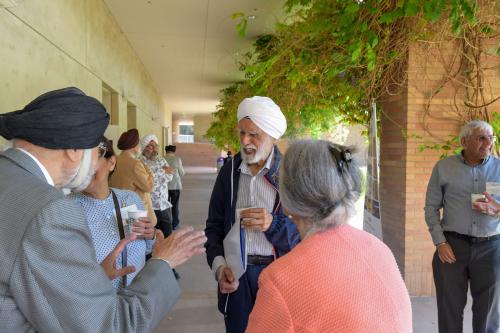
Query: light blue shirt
{"points": [[450, 187], [104, 230]]}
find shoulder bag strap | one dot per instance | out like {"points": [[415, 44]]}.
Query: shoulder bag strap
{"points": [[122, 234]]}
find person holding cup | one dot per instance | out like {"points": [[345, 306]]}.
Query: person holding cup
{"points": [[98, 204], [250, 179], [466, 236]]}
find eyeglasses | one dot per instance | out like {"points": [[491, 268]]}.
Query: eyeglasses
{"points": [[484, 138], [102, 149]]}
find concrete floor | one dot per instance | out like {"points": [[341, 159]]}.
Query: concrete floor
{"points": [[196, 311]]}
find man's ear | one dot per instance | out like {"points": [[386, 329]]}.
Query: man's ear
{"points": [[74, 155], [112, 163], [463, 141]]}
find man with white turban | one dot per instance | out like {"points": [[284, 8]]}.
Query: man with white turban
{"points": [[163, 174], [249, 180]]}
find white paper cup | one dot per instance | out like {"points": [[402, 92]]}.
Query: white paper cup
{"points": [[477, 197], [134, 216]]}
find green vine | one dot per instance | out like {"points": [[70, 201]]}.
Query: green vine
{"points": [[330, 59]]}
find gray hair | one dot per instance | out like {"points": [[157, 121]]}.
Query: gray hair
{"points": [[469, 128], [317, 185]]}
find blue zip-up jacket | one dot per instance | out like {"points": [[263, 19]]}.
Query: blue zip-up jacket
{"points": [[282, 232]]}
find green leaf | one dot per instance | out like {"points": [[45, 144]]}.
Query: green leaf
{"points": [[372, 39], [352, 8], [487, 29], [433, 10], [234, 16], [411, 8], [390, 17], [241, 27], [356, 51], [371, 58]]}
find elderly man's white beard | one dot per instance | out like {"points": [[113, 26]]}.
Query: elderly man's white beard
{"points": [[83, 175], [260, 153]]}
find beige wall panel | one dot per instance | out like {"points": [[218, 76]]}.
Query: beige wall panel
{"points": [[31, 65], [114, 58], [81, 45], [62, 22]]}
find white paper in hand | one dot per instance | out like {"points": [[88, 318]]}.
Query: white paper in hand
{"points": [[234, 251], [493, 188]]}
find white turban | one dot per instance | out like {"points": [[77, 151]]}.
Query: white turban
{"points": [[264, 113], [147, 139]]}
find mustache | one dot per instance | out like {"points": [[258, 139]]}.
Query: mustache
{"points": [[250, 146]]}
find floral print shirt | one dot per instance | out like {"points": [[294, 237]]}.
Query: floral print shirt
{"points": [[159, 195]]}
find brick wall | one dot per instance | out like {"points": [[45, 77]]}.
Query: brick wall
{"points": [[198, 154]]}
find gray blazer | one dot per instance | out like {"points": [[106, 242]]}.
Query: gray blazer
{"points": [[50, 280]]}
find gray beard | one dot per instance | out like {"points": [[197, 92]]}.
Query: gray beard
{"points": [[150, 156]]}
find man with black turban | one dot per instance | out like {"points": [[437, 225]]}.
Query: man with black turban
{"points": [[50, 280]]}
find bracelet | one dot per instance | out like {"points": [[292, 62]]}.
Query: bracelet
{"points": [[441, 244]]}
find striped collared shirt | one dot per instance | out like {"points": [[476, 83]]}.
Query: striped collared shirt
{"points": [[256, 191]]}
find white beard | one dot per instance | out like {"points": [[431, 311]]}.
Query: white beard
{"points": [[83, 174], [259, 155]]}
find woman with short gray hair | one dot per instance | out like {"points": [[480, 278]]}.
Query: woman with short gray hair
{"points": [[338, 279], [320, 182]]}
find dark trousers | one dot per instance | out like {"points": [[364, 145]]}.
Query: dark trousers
{"points": [[164, 222], [173, 198], [241, 302], [478, 264]]}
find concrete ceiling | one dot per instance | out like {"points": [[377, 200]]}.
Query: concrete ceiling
{"points": [[190, 47]]}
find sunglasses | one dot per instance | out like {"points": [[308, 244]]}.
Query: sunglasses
{"points": [[102, 149]]}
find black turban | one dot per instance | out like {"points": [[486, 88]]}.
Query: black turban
{"points": [[170, 149], [59, 119]]}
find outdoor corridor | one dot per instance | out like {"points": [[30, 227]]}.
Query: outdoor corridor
{"points": [[196, 311]]}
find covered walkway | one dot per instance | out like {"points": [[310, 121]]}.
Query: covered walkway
{"points": [[196, 312]]}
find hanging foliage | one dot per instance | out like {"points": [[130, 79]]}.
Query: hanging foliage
{"points": [[330, 58]]}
